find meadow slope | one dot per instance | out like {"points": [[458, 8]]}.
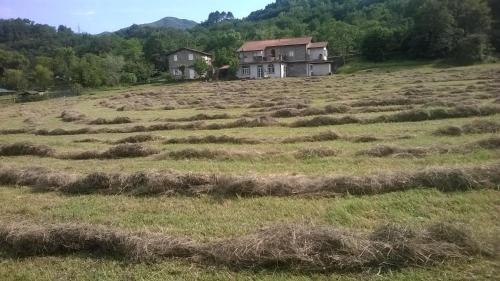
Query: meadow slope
{"points": [[376, 175]]}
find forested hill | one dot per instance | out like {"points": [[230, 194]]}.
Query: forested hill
{"points": [[168, 22], [460, 31]]}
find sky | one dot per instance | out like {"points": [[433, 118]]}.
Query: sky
{"points": [[96, 16]]}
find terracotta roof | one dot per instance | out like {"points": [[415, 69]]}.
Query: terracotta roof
{"points": [[192, 50], [318, 45], [261, 45]]}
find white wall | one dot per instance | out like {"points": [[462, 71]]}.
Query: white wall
{"points": [[314, 53], [320, 69]]}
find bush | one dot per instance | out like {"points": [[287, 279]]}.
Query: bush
{"points": [[471, 49]]}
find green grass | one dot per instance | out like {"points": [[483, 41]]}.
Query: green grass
{"points": [[208, 218]]}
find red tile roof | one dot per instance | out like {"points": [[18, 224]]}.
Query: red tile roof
{"points": [[318, 45], [261, 45]]}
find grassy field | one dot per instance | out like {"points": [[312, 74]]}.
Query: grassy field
{"points": [[221, 161]]}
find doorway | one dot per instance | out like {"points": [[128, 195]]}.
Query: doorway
{"points": [[260, 71]]}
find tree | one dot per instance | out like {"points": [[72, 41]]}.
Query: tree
{"points": [[200, 67], [14, 79], [471, 49], [344, 38], [112, 67], [43, 77], [375, 44], [495, 27]]}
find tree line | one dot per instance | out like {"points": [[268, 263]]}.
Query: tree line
{"points": [[459, 31]]}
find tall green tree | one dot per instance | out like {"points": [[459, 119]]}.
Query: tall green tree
{"points": [[200, 67], [14, 79], [43, 77]]}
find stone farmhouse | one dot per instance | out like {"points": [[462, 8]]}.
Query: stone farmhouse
{"points": [[183, 59], [279, 58]]}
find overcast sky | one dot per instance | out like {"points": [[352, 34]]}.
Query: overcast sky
{"points": [[95, 16]]}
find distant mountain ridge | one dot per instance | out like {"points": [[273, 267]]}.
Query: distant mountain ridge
{"points": [[172, 22]]}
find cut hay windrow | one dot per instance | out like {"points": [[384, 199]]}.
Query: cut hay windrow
{"points": [[25, 149], [490, 143], [298, 247], [153, 183], [415, 115], [116, 152], [114, 121]]}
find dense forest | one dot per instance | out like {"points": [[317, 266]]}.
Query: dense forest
{"points": [[459, 31]]}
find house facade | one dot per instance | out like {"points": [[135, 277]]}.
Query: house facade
{"points": [[183, 59], [279, 58]]}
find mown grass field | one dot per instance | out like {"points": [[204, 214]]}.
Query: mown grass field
{"points": [[375, 123]]}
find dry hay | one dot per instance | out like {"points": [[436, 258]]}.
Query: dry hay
{"points": [[114, 121], [198, 117], [211, 139], [115, 152], [303, 248], [212, 154], [315, 152], [320, 137], [481, 127], [25, 149], [72, 116], [324, 121], [448, 131], [386, 150], [417, 115], [192, 184], [137, 139]]}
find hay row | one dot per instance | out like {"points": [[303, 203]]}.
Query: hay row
{"points": [[475, 127], [298, 247], [389, 150], [153, 183], [266, 121], [73, 116], [115, 152], [415, 115]]}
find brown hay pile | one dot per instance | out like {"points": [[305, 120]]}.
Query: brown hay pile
{"points": [[322, 136], [489, 143], [448, 131], [193, 153], [72, 116], [200, 117], [298, 247], [63, 132], [26, 148], [212, 139], [115, 152], [324, 121], [481, 127], [417, 115], [25, 239], [315, 152], [263, 121], [386, 150], [191, 184], [137, 139], [16, 131], [364, 139], [114, 121]]}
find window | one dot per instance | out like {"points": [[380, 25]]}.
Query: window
{"points": [[190, 57], [291, 53], [175, 58], [245, 70], [273, 53], [270, 69], [177, 72]]}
